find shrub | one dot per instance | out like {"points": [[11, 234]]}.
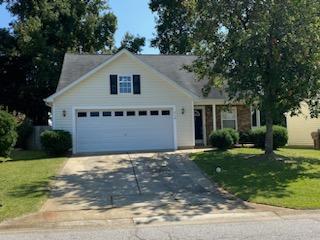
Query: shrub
{"points": [[258, 137], [24, 129], [221, 139], [56, 142], [234, 134], [245, 137], [280, 136], [8, 134]]}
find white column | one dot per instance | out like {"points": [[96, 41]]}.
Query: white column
{"points": [[258, 118], [193, 127], [214, 120]]}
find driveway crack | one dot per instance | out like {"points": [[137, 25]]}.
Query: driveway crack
{"points": [[135, 174]]}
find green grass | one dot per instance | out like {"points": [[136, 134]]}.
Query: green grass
{"points": [[24, 179], [293, 182]]}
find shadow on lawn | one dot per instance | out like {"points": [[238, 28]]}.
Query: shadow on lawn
{"points": [[32, 190], [26, 155], [249, 175]]}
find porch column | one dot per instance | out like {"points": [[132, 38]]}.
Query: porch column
{"points": [[258, 118], [214, 120]]}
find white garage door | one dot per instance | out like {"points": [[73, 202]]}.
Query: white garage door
{"points": [[124, 130]]}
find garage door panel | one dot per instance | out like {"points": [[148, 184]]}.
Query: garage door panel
{"points": [[115, 130], [124, 133], [124, 139]]}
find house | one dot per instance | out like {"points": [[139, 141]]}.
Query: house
{"points": [[127, 102], [300, 128]]}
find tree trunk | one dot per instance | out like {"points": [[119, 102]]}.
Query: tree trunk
{"points": [[269, 135]]}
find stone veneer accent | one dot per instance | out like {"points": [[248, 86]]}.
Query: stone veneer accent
{"points": [[243, 116]]}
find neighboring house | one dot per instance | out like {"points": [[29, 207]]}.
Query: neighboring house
{"points": [[127, 102], [300, 128]]}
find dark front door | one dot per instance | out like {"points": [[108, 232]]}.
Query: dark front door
{"points": [[198, 126]]}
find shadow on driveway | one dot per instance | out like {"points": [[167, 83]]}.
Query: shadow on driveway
{"points": [[140, 184]]}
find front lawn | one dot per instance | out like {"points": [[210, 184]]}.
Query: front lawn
{"points": [[24, 180], [293, 182]]}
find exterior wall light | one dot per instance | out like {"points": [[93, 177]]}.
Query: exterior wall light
{"points": [[182, 110], [64, 113]]}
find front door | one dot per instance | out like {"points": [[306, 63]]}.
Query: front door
{"points": [[198, 121]]}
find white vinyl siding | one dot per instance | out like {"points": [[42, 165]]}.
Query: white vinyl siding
{"points": [[95, 91], [300, 128]]}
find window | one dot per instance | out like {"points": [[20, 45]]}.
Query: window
{"points": [[131, 113], [255, 118], [154, 113], [118, 114], [229, 118], [82, 114], [165, 112], [94, 114], [106, 114], [125, 84], [142, 113]]}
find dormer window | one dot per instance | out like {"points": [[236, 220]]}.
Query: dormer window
{"points": [[125, 84]]}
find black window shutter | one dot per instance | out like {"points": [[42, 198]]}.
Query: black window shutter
{"points": [[136, 84], [113, 84]]}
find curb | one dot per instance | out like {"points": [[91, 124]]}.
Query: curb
{"points": [[160, 220], [219, 217]]}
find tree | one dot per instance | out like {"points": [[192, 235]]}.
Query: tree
{"points": [[261, 52], [172, 25], [8, 134], [13, 72], [132, 43], [40, 35]]}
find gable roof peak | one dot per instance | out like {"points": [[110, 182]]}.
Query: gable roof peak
{"points": [[77, 67]]}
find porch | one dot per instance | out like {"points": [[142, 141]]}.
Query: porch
{"points": [[211, 117]]}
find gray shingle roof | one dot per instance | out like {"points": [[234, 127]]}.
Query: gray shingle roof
{"points": [[76, 65]]}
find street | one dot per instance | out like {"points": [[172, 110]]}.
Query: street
{"points": [[285, 229]]}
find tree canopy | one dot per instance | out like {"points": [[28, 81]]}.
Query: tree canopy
{"points": [[132, 43], [264, 53], [32, 49], [172, 25]]}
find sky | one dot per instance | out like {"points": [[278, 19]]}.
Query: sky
{"points": [[133, 16]]}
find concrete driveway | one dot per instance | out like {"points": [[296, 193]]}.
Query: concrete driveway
{"points": [[126, 189], [140, 184]]}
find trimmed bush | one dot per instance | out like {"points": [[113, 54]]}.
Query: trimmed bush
{"points": [[245, 137], [234, 134], [24, 129], [221, 139], [280, 136], [56, 142], [8, 134]]}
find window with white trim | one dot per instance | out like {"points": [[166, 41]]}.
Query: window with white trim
{"points": [[229, 118], [255, 118], [125, 84]]}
